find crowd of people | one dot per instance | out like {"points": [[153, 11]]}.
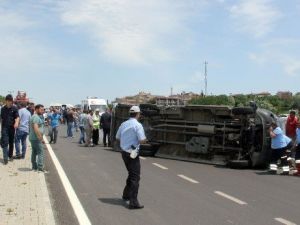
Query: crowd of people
{"points": [[87, 122], [17, 123], [286, 146], [28, 120]]}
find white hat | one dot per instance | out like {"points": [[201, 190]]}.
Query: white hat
{"points": [[134, 109], [97, 110]]}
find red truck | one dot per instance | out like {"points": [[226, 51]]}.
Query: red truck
{"points": [[21, 98]]}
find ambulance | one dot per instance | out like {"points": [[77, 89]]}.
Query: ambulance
{"points": [[93, 103]]}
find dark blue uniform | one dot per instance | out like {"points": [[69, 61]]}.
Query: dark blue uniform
{"points": [[8, 116]]}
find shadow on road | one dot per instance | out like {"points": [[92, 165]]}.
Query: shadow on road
{"points": [[25, 169], [265, 173], [113, 201]]}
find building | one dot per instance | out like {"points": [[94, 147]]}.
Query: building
{"points": [[284, 95], [263, 94], [143, 97], [185, 97], [140, 98]]}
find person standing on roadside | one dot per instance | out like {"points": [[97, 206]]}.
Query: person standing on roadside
{"points": [[130, 135], [88, 128], [96, 126], [291, 125], [64, 114], [105, 122], [70, 123], [10, 122], [76, 120], [54, 120], [30, 108], [82, 122], [22, 131], [36, 134]]}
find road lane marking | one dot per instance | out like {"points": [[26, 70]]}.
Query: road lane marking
{"points": [[143, 158], [188, 179], [231, 198], [76, 205], [160, 166], [284, 221]]}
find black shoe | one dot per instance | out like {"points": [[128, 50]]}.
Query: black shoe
{"points": [[125, 198], [42, 171], [138, 206], [17, 157], [5, 162]]}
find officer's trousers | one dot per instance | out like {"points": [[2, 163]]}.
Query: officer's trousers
{"points": [[133, 167], [7, 142], [95, 136]]}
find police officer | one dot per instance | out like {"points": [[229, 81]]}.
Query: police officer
{"points": [[130, 135], [10, 122]]}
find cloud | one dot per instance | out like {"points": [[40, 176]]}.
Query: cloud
{"points": [[21, 53], [12, 22], [255, 17], [291, 65], [132, 32], [283, 52]]}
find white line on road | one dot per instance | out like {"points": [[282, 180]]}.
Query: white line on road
{"points": [[284, 221], [230, 198], [160, 166], [143, 158], [188, 179], [77, 207]]}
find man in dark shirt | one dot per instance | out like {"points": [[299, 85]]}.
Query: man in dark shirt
{"points": [[10, 122], [30, 108], [105, 122], [70, 123]]}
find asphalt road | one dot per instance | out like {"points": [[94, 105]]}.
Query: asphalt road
{"points": [[173, 192]]}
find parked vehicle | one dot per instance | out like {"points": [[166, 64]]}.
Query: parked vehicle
{"points": [[21, 98], [93, 103], [221, 135]]}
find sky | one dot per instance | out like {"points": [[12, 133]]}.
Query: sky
{"points": [[65, 50]]}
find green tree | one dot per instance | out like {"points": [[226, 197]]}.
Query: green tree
{"points": [[241, 100], [296, 102], [2, 99], [213, 100]]}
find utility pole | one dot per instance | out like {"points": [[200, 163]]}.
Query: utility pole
{"points": [[171, 91], [205, 77]]}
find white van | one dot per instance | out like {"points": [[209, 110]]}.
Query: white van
{"points": [[93, 103]]}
